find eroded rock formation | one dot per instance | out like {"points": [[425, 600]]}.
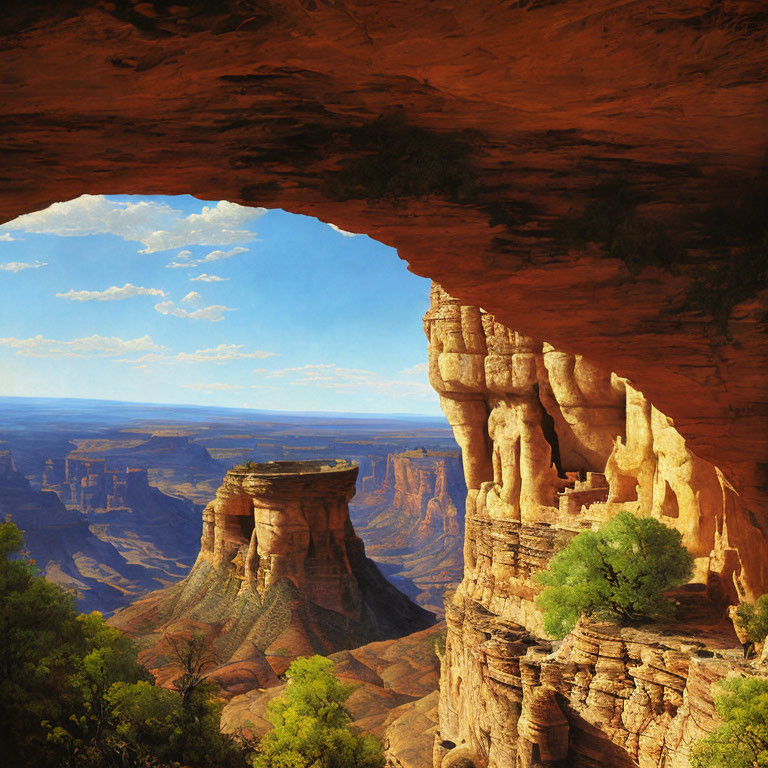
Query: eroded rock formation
{"points": [[553, 445], [395, 696], [281, 573], [411, 516], [555, 163]]}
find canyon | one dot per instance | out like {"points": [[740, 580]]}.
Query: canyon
{"points": [[281, 573], [587, 180], [553, 445], [410, 513], [108, 558]]}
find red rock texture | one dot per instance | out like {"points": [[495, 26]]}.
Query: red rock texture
{"points": [[411, 517], [257, 103], [280, 574], [395, 696]]}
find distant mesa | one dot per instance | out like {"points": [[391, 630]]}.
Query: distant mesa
{"points": [[87, 484], [281, 573], [109, 564]]}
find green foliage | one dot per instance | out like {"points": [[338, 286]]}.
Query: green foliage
{"points": [[742, 740], [618, 573], [72, 693], [311, 724], [393, 160], [754, 619]]}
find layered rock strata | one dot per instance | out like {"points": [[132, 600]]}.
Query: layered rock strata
{"points": [[281, 573], [411, 516], [553, 445], [395, 696]]}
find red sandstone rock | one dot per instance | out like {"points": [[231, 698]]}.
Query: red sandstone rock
{"points": [[280, 574], [257, 105]]}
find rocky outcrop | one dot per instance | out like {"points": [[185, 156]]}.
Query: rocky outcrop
{"points": [[586, 171], [606, 697], [553, 445], [281, 573], [411, 516]]}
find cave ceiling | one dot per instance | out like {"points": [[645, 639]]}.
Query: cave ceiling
{"points": [[590, 171]]}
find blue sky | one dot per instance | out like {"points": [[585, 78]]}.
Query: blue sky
{"points": [[176, 300]]}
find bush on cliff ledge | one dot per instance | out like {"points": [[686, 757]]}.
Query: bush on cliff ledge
{"points": [[617, 573], [742, 740], [753, 618]]}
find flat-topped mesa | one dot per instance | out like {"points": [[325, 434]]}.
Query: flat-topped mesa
{"points": [[288, 519], [281, 573]]}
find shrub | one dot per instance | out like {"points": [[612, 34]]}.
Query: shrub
{"points": [[311, 723], [742, 740], [618, 573], [754, 619]]}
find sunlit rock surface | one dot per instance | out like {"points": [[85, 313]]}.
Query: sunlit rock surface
{"points": [[539, 111], [280, 574], [395, 696], [553, 445], [411, 515]]}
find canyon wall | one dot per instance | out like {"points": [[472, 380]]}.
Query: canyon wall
{"points": [[553, 445], [411, 516], [281, 573], [106, 562]]}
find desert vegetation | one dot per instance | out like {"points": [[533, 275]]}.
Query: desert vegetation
{"points": [[619, 573]]}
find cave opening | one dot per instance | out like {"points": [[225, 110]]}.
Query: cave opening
{"points": [[218, 305]]}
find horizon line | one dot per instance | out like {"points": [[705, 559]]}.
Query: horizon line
{"points": [[374, 414]]}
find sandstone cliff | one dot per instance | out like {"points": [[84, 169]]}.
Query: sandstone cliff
{"points": [[552, 445], [411, 516], [588, 171], [281, 573]]}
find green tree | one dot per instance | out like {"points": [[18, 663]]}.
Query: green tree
{"points": [[742, 740], [617, 573], [39, 640], [754, 619], [73, 694], [311, 724]]}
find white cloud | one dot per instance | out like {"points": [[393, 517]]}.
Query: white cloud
{"points": [[6, 238], [181, 265], [214, 313], [90, 346], [193, 298], [215, 387], [207, 278], [183, 254], [157, 226], [18, 266], [113, 293], [420, 369], [348, 380], [224, 353], [219, 255], [343, 231]]}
